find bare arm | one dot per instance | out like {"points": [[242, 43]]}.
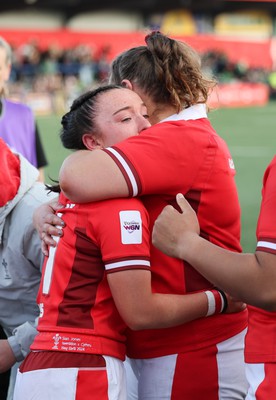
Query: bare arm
{"points": [[82, 180], [41, 177], [249, 277], [7, 358], [142, 309]]}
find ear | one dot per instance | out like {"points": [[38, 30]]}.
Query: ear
{"points": [[90, 142], [127, 84]]}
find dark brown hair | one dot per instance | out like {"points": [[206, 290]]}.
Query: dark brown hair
{"points": [[79, 121], [167, 70]]}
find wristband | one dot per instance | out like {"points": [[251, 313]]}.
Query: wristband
{"points": [[224, 308], [217, 302]]}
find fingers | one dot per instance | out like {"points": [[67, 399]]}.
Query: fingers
{"points": [[48, 241], [180, 199], [183, 203], [234, 305], [44, 248], [50, 231], [52, 226], [54, 220], [48, 238], [57, 206]]}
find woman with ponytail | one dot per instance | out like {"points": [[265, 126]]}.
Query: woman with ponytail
{"points": [[180, 153]]}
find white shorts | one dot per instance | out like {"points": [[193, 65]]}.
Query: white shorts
{"points": [[84, 383], [212, 373], [262, 382]]}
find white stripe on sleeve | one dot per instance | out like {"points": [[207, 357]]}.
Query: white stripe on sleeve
{"points": [[127, 169]]}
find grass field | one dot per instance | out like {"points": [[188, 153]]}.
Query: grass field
{"points": [[250, 134]]}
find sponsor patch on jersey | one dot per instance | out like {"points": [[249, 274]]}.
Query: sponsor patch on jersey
{"points": [[131, 227]]}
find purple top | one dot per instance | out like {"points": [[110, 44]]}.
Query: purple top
{"points": [[17, 128]]}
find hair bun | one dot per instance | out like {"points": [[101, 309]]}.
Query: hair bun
{"points": [[152, 34]]}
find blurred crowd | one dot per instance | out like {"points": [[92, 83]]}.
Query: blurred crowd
{"points": [[217, 64], [62, 73], [65, 73]]}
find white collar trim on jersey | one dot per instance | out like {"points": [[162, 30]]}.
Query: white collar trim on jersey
{"points": [[194, 112]]}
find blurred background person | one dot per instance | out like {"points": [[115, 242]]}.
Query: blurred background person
{"points": [[18, 127]]}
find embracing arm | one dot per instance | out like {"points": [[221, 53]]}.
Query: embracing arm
{"points": [[248, 277], [90, 176], [142, 309]]}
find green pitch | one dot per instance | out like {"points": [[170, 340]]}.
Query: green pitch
{"points": [[251, 137]]}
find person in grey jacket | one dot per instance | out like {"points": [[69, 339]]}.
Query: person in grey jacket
{"points": [[20, 257]]}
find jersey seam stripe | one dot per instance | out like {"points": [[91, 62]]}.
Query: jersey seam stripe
{"points": [[127, 169]]}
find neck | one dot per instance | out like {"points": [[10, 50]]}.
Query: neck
{"points": [[161, 112]]}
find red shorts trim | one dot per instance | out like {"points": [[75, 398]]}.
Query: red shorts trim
{"points": [[53, 359]]}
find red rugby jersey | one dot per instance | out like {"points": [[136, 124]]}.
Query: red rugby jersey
{"points": [[261, 336], [184, 156], [78, 313]]}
